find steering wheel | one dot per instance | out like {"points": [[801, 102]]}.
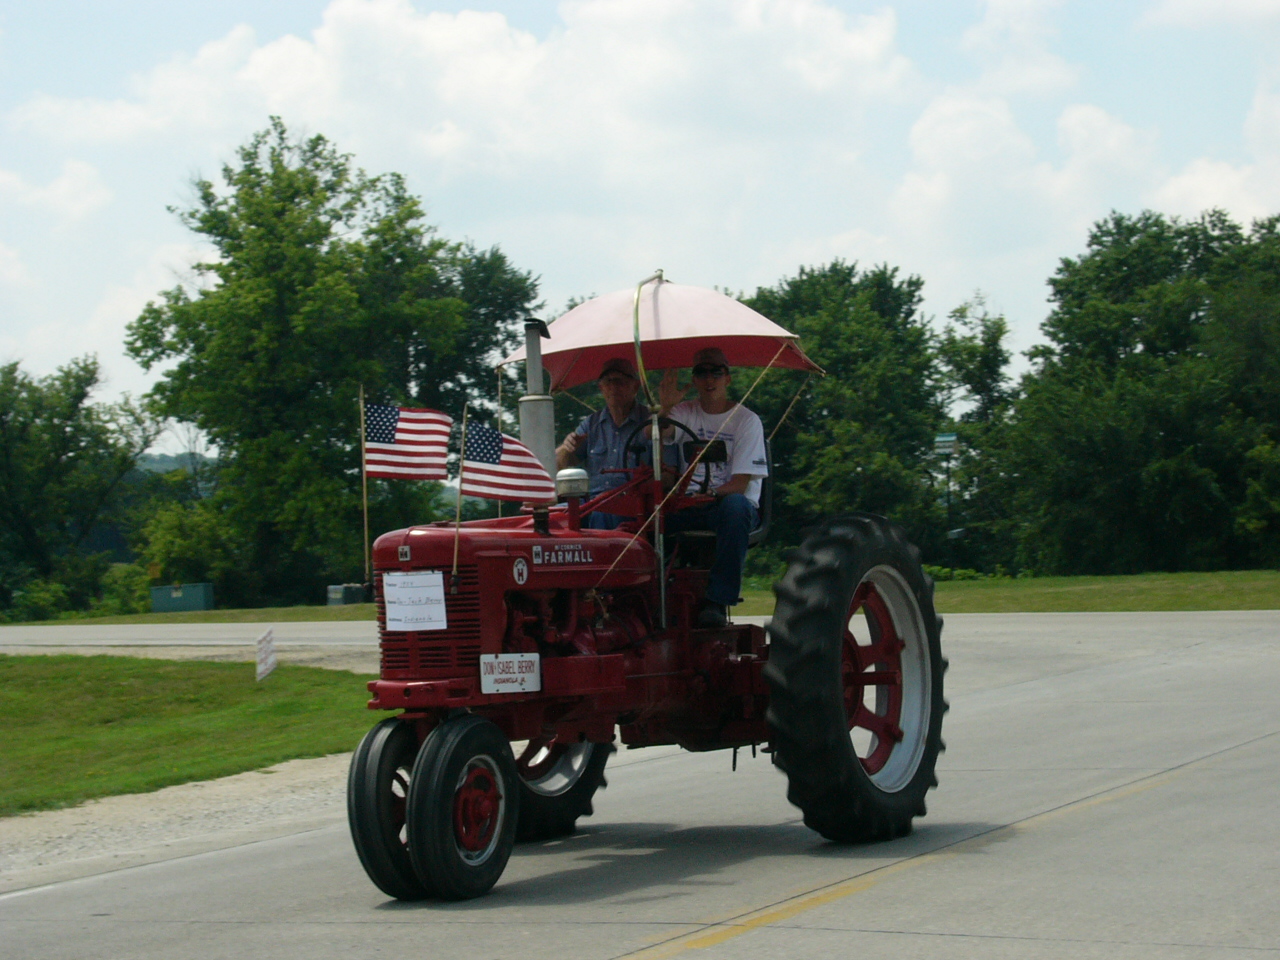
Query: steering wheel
{"points": [[628, 449]]}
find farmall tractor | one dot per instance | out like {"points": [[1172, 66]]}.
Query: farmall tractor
{"points": [[516, 652]]}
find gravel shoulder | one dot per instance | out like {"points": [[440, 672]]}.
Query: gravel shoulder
{"points": [[128, 831]]}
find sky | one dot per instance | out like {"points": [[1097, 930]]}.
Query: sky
{"points": [[729, 142]]}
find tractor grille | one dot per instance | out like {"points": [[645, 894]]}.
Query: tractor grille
{"points": [[436, 654]]}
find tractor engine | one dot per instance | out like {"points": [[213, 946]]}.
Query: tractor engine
{"points": [[576, 622]]}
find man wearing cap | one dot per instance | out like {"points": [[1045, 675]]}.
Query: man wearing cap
{"points": [[597, 443], [735, 483]]}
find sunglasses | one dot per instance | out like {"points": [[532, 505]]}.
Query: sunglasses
{"points": [[707, 370]]}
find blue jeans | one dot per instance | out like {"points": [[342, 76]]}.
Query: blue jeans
{"points": [[732, 518]]}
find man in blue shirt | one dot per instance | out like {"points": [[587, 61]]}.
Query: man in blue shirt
{"points": [[597, 443]]}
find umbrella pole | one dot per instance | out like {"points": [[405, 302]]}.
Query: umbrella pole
{"points": [[659, 540], [635, 326]]}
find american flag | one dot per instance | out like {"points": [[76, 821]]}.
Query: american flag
{"points": [[501, 468], [405, 443]]}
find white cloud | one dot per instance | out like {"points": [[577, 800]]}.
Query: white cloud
{"points": [[1262, 125], [12, 270], [1012, 43], [43, 347], [1245, 190], [1197, 13], [74, 193], [120, 303], [187, 92], [1105, 160], [614, 84]]}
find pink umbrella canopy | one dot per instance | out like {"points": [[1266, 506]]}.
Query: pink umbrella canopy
{"points": [[676, 321]]}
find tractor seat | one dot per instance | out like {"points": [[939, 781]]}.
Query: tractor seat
{"points": [[766, 511]]}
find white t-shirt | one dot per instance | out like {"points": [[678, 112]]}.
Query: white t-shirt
{"points": [[743, 436]]}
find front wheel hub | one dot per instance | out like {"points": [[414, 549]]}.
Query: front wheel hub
{"points": [[478, 808]]}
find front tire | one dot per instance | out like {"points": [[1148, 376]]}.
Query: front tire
{"points": [[855, 671], [557, 782], [464, 800], [377, 791]]}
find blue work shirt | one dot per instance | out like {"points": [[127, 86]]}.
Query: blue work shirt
{"points": [[603, 448]]}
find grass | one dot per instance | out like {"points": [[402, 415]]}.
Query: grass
{"points": [[75, 728], [1226, 590]]}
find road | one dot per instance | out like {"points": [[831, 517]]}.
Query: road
{"points": [[344, 645], [1110, 790]]}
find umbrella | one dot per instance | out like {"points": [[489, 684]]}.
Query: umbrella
{"points": [[676, 321]]}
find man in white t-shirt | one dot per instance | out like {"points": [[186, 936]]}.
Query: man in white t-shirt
{"points": [[735, 482]]}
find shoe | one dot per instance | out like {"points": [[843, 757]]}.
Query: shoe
{"points": [[712, 615]]}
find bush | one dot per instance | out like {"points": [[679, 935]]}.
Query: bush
{"points": [[39, 600], [961, 573], [190, 544], [125, 589]]}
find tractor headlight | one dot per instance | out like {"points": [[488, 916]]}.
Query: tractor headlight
{"points": [[572, 482]]}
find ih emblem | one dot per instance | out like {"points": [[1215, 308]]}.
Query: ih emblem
{"points": [[520, 571], [404, 552]]}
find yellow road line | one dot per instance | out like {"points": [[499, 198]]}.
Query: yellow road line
{"points": [[718, 932]]}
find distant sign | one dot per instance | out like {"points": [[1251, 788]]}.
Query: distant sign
{"points": [[266, 654], [946, 444], [415, 600]]}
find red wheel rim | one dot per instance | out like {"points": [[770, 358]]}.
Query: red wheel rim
{"points": [[873, 672], [477, 807]]}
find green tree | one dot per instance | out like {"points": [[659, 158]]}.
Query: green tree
{"points": [[324, 279], [974, 360], [63, 461], [1143, 437], [860, 437]]}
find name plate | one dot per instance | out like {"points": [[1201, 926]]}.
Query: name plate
{"points": [[510, 673], [415, 600]]}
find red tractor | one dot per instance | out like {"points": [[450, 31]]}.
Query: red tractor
{"points": [[515, 652]]}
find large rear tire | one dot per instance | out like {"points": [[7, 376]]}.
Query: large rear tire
{"points": [[377, 790], [855, 672], [464, 800], [557, 782]]}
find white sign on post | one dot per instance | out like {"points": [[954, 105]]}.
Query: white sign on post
{"points": [[415, 600], [266, 654]]}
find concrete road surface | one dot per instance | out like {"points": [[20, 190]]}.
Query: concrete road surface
{"points": [[184, 634], [1111, 789]]}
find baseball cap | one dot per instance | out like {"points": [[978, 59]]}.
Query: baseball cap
{"points": [[712, 356], [618, 365]]}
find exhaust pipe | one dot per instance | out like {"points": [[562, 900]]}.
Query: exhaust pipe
{"points": [[537, 408]]}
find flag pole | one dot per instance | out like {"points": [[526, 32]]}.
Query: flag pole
{"points": [[364, 496], [457, 519], [498, 424]]}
